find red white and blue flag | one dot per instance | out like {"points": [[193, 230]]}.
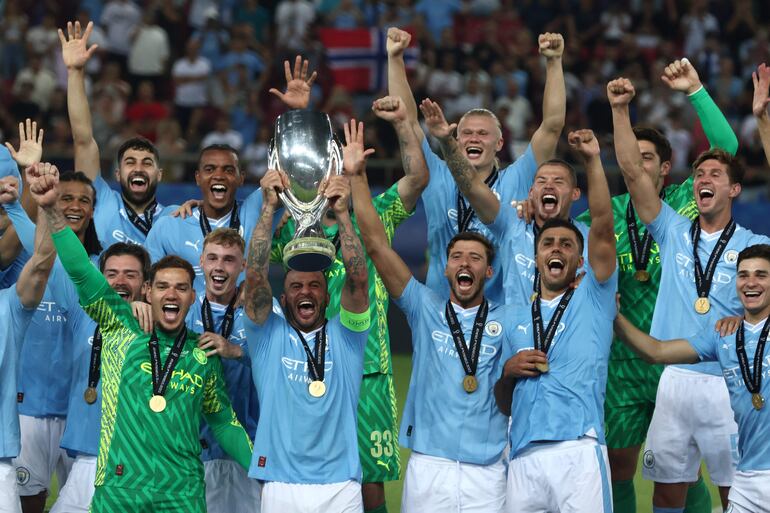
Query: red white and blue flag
{"points": [[358, 58]]}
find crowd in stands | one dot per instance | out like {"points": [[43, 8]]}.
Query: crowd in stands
{"points": [[187, 73]]}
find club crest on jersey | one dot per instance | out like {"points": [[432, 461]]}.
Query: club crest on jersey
{"points": [[22, 476], [731, 256], [649, 459], [200, 356], [493, 328]]}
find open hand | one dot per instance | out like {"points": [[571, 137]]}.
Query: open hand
{"points": [[297, 95], [74, 47], [353, 153], [30, 144], [435, 120], [761, 79]]}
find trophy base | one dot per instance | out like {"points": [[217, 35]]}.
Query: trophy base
{"points": [[308, 254]]}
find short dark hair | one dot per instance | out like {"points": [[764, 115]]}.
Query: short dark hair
{"points": [[563, 163], [91, 239], [130, 249], [220, 147], [653, 135], [475, 237], [225, 237], [755, 251], [138, 143], [561, 223], [172, 262], [735, 170]]}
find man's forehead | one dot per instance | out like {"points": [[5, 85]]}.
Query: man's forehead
{"points": [[174, 275], [123, 262], [77, 188], [647, 147], [218, 157], [213, 248], [558, 232], [754, 264], [477, 121], [138, 154], [552, 170], [293, 276], [711, 164]]}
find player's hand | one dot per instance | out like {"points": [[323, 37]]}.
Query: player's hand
{"points": [[353, 153], [435, 120], [185, 210], [728, 325], [761, 79], [143, 314], [397, 42], [522, 365], [680, 75], [43, 180], [584, 143], [297, 95], [74, 47], [272, 183], [550, 45], [525, 209], [30, 144], [337, 191], [390, 108], [213, 343], [9, 189], [620, 92]]}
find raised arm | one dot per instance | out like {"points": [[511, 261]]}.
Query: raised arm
{"points": [[601, 236], [298, 85], [681, 75], [75, 53], [469, 182], [394, 272], [34, 276], [398, 84], [653, 350], [546, 137], [761, 79], [643, 193], [258, 293], [30, 152], [416, 175]]}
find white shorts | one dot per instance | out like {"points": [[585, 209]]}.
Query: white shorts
{"points": [[750, 492], [440, 485], [229, 488], [9, 496], [692, 420], [342, 497], [76, 495], [40, 454], [560, 477]]}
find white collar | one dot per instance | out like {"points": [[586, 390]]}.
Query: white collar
{"points": [[550, 303], [754, 328]]}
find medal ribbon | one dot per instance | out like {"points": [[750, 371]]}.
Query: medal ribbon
{"points": [[543, 340], [640, 252], [753, 382], [703, 278], [235, 222], [95, 365], [227, 322], [469, 356], [465, 212], [142, 223], [315, 363], [161, 377]]}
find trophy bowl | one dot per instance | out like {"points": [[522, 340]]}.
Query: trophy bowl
{"points": [[304, 148]]}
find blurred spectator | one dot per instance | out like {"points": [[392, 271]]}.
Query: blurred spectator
{"points": [[615, 21], [201, 11], [171, 146], [255, 155], [472, 96], [149, 54], [438, 15], [172, 19], [346, 15], [212, 37], [190, 75], [114, 89], [256, 16], [43, 40], [292, 19], [681, 141], [97, 37], [696, 24], [239, 55], [247, 118], [40, 80], [145, 112], [120, 19], [518, 108], [445, 82], [13, 24], [223, 134], [339, 106]]}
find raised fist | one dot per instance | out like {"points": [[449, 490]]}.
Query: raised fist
{"points": [[680, 75], [550, 45], [398, 41], [620, 92]]}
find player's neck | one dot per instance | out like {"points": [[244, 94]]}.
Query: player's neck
{"points": [[547, 294], [757, 316], [217, 213], [471, 303], [139, 208], [221, 299], [540, 220], [715, 221], [484, 171], [168, 333]]}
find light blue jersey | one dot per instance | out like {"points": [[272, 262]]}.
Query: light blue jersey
{"points": [[567, 402], [15, 318], [81, 435], [240, 387], [10, 274], [111, 217], [440, 201], [753, 425], [440, 418], [516, 253], [300, 438], [675, 315], [184, 237]]}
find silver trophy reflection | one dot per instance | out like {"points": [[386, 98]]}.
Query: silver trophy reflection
{"points": [[305, 149]]}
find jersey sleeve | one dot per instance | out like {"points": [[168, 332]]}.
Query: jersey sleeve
{"points": [[154, 242], [391, 210], [258, 336], [105, 196], [516, 180], [603, 293], [706, 344], [221, 417], [662, 226], [89, 282], [440, 178], [506, 218], [25, 228], [715, 125]]}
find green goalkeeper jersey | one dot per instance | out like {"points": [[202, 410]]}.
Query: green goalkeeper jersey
{"points": [[138, 448], [392, 213]]}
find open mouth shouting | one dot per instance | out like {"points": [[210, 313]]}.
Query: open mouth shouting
{"points": [[170, 312], [556, 266], [138, 182], [123, 292], [550, 204], [464, 281], [705, 195], [219, 191], [751, 297], [473, 152], [306, 310], [219, 280]]}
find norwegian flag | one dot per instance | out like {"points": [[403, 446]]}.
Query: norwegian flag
{"points": [[358, 57]]}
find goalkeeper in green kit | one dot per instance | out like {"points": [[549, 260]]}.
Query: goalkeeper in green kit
{"points": [[155, 386], [631, 383]]}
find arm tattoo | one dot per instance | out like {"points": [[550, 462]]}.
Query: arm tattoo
{"points": [[458, 165], [56, 221], [258, 292], [353, 256]]}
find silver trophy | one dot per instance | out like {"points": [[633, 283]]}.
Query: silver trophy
{"points": [[305, 149]]}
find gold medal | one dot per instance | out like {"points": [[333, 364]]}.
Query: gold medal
{"points": [[533, 297], [757, 401], [470, 384], [317, 388], [642, 275], [90, 395], [157, 403], [542, 367], [702, 305]]}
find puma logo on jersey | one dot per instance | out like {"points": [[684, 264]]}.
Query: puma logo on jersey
{"points": [[193, 245]]}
